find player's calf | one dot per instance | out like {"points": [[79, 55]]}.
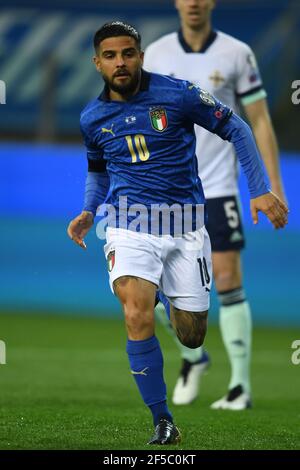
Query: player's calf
{"points": [[190, 327]]}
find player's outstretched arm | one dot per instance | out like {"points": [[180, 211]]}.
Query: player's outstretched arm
{"points": [[203, 109], [262, 128], [272, 207], [79, 227], [262, 199]]}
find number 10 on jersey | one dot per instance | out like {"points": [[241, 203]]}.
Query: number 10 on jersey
{"points": [[137, 146]]}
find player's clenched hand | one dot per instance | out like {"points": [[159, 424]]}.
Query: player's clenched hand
{"points": [[79, 227], [272, 207]]}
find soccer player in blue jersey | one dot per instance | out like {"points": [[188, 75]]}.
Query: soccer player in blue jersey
{"points": [[140, 141]]}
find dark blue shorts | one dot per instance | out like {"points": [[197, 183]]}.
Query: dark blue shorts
{"points": [[224, 224]]}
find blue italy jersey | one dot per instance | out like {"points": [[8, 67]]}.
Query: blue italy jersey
{"points": [[147, 144]]}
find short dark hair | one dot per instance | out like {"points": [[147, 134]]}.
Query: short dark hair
{"points": [[115, 29]]}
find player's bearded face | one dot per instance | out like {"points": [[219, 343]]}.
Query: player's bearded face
{"points": [[120, 62]]}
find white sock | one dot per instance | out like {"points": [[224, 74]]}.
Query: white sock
{"points": [[236, 330], [191, 355]]}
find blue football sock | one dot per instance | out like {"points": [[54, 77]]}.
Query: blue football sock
{"points": [[146, 363], [165, 303]]}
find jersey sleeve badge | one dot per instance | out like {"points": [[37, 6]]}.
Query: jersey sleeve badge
{"points": [[253, 68], [207, 98]]}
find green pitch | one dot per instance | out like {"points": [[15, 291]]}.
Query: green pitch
{"points": [[66, 385]]}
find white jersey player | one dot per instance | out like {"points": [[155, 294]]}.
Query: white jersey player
{"points": [[226, 68]]}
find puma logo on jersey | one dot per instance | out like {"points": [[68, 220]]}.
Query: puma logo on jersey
{"points": [[142, 372], [109, 131], [192, 86]]}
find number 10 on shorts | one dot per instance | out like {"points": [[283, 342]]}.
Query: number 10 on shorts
{"points": [[205, 277]]}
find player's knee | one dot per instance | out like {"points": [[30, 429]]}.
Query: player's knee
{"points": [[226, 280], [137, 319], [190, 328], [193, 341]]}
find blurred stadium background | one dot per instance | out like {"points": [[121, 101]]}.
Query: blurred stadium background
{"points": [[45, 61]]}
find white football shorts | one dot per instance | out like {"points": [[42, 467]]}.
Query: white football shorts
{"points": [[180, 267]]}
